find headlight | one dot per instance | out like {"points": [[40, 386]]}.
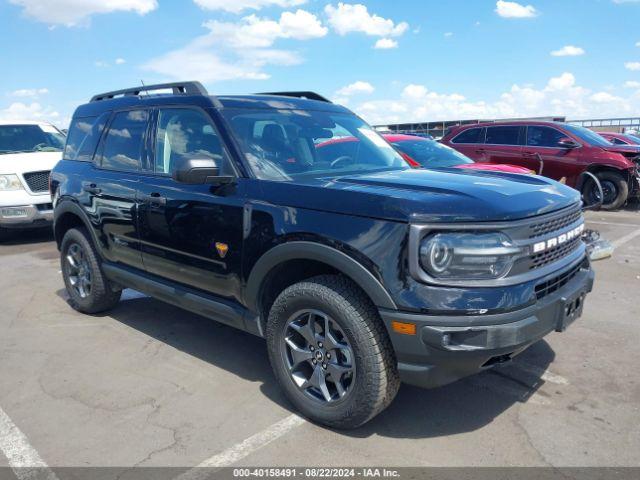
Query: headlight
{"points": [[468, 256], [10, 182]]}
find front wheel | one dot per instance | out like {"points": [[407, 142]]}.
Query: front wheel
{"points": [[614, 188], [330, 352], [88, 288]]}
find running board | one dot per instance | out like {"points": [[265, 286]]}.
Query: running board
{"points": [[209, 306]]}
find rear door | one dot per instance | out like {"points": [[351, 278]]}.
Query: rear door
{"points": [[191, 234], [503, 144], [543, 149], [111, 192]]}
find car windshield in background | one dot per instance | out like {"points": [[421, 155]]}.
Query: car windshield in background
{"points": [[286, 144], [431, 154], [30, 138], [589, 136]]}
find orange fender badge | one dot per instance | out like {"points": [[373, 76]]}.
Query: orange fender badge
{"points": [[222, 249]]}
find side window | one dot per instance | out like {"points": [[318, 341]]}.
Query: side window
{"points": [[503, 135], [187, 133], [616, 141], [473, 135], [83, 137], [544, 137], [124, 142]]}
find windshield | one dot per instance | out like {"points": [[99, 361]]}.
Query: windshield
{"points": [[431, 154], [633, 138], [30, 138], [287, 144], [588, 136]]}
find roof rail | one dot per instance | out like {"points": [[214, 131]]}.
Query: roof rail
{"points": [[186, 88], [307, 95]]}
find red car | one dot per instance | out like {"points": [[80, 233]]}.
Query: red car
{"points": [[621, 138], [418, 152], [423, 152], [557, 150]]}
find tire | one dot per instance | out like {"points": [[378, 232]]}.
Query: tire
{"points": [[4, 234], [614, 186], [96, 296], [373, 381]]}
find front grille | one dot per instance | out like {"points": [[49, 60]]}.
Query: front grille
{"points": [[550, 286], [545, 258], [37, 181], [543, 228]]}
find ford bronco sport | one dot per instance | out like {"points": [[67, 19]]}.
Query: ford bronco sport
{"points": [[359, 271]]}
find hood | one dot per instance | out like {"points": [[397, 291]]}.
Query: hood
{"points": [[628, 151], [450, 195], [28, 162], [495, 167]]}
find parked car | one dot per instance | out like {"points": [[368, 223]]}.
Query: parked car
{"points": [[557, 150], [28, 152], [422, 152], [621, 138], [359, 270]]}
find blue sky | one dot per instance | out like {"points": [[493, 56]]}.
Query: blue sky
{"points": [[400, 61]]}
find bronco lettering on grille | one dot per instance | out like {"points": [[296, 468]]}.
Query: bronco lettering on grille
{"points": [[559, 240]]}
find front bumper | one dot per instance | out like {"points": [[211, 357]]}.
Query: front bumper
{"points": [[447, 348], [26, 216]]}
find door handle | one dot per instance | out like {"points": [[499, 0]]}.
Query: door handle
{"points": [[155, 199], [92, 188]]}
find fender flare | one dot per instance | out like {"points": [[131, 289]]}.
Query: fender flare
{"points": [[69, 206], [300, 250]]}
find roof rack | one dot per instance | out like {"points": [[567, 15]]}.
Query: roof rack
{"points": [[185, 88], [307, 95]]}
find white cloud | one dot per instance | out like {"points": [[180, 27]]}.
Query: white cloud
{"points": [[448, 34], [631, 84], [568, 51], [515, 10], [237, 6], [29, 92], [385, 44], [638, 44], [101, 64], [120, 61], [31, 111], [78, 12], [561, 96], [347, 18], [633, 66], [358, 87], [239, 50]]}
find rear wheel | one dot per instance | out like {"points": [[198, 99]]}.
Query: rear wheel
{"points": [[89, 290], [614, 188], [330, 352]]}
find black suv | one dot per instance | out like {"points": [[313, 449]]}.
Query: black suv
{"points": [[359, 271]]}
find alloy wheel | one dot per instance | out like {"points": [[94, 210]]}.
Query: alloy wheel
{"points": [[318, 356], [78, 270]]}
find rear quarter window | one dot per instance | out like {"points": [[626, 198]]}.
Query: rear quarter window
{"points": [[472, 135], [82, 139]]}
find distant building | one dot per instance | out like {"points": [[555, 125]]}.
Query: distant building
{"points": [[438, 129]]}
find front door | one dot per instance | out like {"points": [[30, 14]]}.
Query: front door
{"points": [[557, 162], [191, 234]]}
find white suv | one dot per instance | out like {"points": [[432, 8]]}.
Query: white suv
{"points": [[28, 152]]}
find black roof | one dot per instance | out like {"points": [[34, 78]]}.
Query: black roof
{"points": [[193, 93]]}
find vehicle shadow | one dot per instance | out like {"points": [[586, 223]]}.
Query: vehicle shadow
{"points": [[416, 413], [28, 236]]}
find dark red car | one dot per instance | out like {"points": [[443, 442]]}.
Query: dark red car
{"points": [[557, 150], [621, 138]]}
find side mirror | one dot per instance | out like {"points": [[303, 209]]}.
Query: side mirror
{"points": [[199, 171], [566, 142]]}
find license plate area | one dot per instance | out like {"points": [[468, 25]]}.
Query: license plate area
{"points": [[571, 310]]}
